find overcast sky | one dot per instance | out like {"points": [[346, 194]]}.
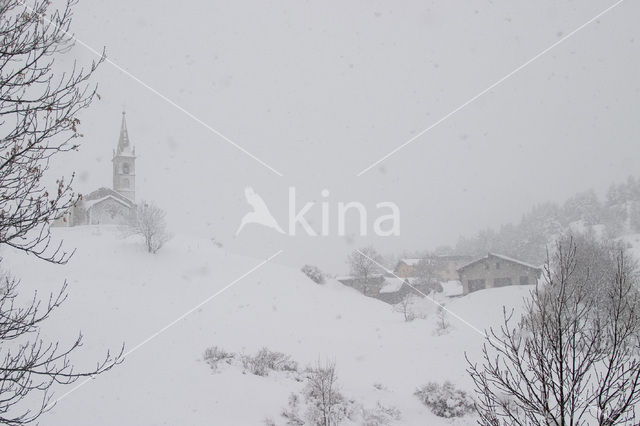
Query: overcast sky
{"points": [[321, 90]]}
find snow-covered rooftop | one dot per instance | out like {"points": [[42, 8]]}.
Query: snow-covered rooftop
{"points": [[392, 284], [510, 259], [90, 203], [503, 257], [411, 261]]}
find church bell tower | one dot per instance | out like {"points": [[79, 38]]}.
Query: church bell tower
{"points": [[124, 164]]}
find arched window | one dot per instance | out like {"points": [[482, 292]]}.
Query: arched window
{"points": [[125, 168]]}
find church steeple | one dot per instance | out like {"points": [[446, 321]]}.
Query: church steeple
{"points": [[124, 160], [123, 142]]}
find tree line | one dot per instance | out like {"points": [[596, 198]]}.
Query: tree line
{"points": [[615, 215]]}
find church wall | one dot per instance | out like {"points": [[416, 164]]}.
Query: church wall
{"points": [[108, 212]]}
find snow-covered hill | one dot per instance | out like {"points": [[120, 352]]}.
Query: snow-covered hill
{"points": [[118, 293]]}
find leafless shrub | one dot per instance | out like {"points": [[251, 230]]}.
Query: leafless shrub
{"points": [[292, 412], [445, 400], [215, 355], [320, 403], [380, 415], [266, 360], [406, 307], [379, 386], [326, 406], [314, 273], [149, 222], [442, 321]]}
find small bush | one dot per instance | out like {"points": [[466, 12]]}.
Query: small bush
{"points": [[379, 386], [443, 325], [292, 413], [380, 416], [214, 355], [266, 360], [326, 406], [445, 400], [314, 273]]}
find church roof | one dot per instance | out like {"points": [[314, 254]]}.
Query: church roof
{"points": [[102, 193], [124, 145]]}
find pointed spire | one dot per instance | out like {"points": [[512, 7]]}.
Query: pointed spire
{"points": [[123, 142]]}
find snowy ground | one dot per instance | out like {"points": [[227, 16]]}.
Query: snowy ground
{"points": [[119, 293]]}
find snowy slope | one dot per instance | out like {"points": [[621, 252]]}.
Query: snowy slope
{"points": [[120, 293]]}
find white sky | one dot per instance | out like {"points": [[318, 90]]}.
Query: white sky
{"points": [[320, 90]]}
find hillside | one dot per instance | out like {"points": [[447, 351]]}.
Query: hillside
{"points": [[616, 215], [117, 293]]}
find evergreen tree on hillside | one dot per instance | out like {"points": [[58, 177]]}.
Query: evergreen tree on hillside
{"points": [[583, 206], [528, 239]]}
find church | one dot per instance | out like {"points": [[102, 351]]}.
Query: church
{"points": [[110, 206]]}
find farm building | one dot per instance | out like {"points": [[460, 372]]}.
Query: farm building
{"points": [[495, 270]]}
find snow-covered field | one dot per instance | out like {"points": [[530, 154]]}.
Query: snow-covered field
{"points": [[118, 293]]}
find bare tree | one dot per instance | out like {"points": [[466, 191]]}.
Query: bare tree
{"points": [[39, 106], [38, 120], [572, 359], [28, 364], [364, 263], [442, 323], [426, 277], [150, 224], [325, 402], [406, 307]]}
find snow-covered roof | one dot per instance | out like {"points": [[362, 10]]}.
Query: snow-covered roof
{"points": [[500, 256], [103, 192], [411, 262], [434, 258], [510, 259], [91, 203], [343, 277], [392, 284], [352, 277]]}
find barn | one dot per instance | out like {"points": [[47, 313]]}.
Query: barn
{"points": [[495, 270]]}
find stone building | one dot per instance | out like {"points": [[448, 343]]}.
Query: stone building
{"points": [[495, 270], [116, 205]]}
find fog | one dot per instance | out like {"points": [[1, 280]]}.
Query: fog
{"points": [[319, 93]]}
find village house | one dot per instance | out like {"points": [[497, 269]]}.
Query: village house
{"points": [[445, 267], [112, 206], [388, 289], [370, 288], [406, 267], [495, 270]]}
